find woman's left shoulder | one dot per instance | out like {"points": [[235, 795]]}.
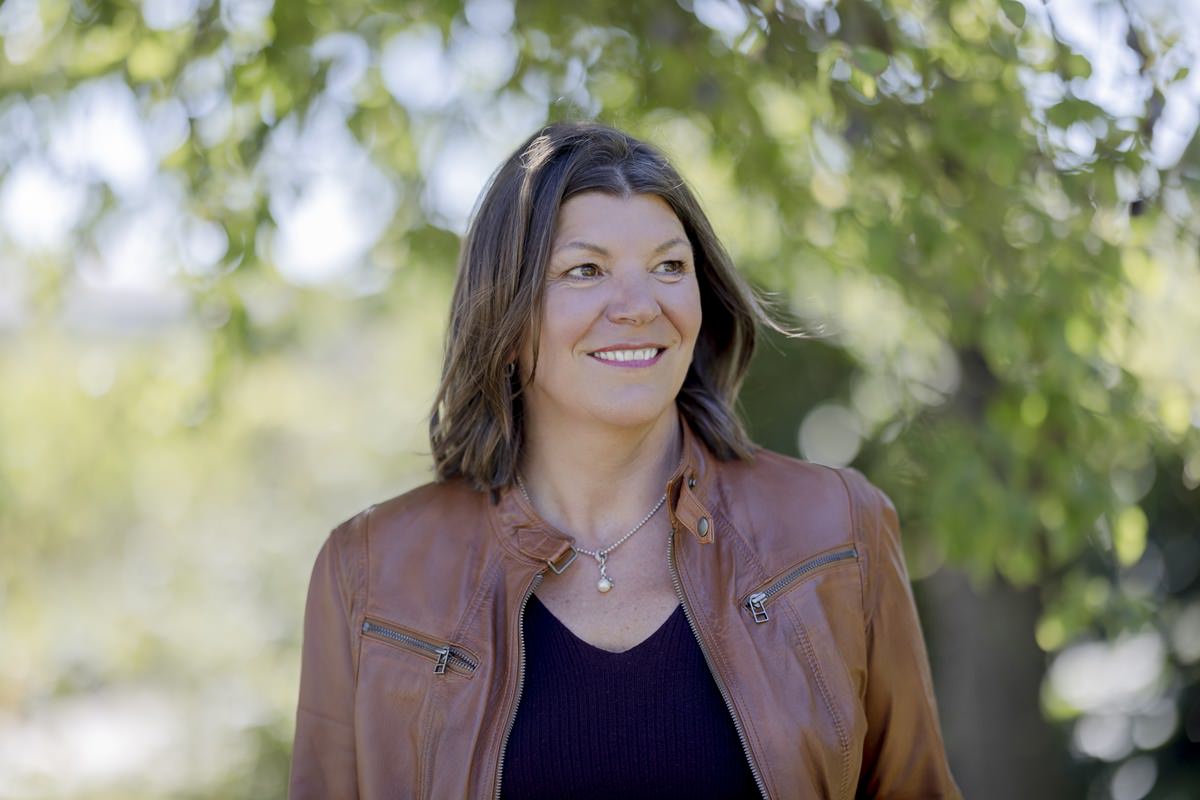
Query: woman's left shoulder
{"points": [[789, 505], [785, 483], [770, 489]]}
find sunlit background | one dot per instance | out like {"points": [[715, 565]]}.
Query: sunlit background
{"points": [[227, 242]]}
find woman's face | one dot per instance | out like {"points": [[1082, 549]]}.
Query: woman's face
{"points": [[621, 314]]}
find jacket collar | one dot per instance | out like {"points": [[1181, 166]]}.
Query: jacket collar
{"points": [[690, 490]]}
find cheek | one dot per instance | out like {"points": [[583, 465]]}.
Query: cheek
{"points": [[570, 315], [564, 325], [686, 313]]}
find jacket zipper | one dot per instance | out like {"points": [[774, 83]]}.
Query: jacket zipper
{"points": [[757, 602], [512, 717], [445, 655], [687, 613]]}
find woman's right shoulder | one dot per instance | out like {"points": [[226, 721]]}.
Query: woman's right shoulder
{"points": [[399, 552], [441, 508]]}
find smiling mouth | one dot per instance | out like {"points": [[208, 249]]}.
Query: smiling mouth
{"points": [[639, 357]]}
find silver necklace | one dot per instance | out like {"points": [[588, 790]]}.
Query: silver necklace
{"points": [[605, 583]]}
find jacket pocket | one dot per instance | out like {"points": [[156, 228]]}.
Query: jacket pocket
{"points": [[758, 600], [444, 655]]}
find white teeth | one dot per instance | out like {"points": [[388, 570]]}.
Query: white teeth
{"points": [[645, 354]]}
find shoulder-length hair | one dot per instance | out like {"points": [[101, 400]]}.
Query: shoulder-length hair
{"points": [[476, 428]]}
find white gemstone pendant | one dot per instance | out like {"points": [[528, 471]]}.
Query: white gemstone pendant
{"points": [[605, 583]]}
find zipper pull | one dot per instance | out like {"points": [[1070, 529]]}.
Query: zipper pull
{"points": [[755, 604], [443, 659]]}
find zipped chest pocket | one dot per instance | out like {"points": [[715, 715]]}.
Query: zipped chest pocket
{"points": [[444, 655], [758, 600]]}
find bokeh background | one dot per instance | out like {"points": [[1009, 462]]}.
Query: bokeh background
{"points": [[227, 241]]}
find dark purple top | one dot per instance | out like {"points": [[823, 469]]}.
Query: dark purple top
{"points": [[648, 722]]}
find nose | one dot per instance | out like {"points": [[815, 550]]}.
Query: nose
{"points": [[633, 301]]}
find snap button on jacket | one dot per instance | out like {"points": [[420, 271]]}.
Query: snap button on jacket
{"points": [[791, 576]]}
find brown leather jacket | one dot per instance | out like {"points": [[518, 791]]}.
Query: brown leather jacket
{"points": [[791, 576]]}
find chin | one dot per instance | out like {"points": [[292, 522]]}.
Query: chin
{"points": [[631, 412]]}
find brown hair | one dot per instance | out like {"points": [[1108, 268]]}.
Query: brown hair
{"points": [[476, 429]]}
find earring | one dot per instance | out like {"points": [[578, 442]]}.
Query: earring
{"points": [[510, 369]]}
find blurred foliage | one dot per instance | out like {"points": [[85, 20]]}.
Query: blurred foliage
{"points": [[227, 237]]}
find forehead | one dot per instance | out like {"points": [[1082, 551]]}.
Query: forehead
{"points": [[607, 219]]}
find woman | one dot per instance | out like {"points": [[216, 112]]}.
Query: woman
{"points": [[609, 589]]}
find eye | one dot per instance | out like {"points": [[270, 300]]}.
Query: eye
{"points": [[672, 267], [583, 271]]}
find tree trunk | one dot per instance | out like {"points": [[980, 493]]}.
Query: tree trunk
{"points": [[988, 670]]}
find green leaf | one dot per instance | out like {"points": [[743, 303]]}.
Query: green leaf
{"points": [[870, 60], [1015, 11], [1077, 66], [1072, 110]]}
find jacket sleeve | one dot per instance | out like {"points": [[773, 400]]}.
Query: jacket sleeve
{"points": [[323, 751], [904, 755]]}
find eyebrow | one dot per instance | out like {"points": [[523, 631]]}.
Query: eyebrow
{"points": [[595, 248]]}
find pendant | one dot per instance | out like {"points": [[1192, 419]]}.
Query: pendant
{"points": [[605, 583]]}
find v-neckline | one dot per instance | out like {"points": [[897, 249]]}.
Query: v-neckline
{"points": [[591, 648]]}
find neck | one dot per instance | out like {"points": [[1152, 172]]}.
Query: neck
{"points": [[596, 483]]}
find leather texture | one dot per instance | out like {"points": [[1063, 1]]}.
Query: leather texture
{"points": [[411, 662]]}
